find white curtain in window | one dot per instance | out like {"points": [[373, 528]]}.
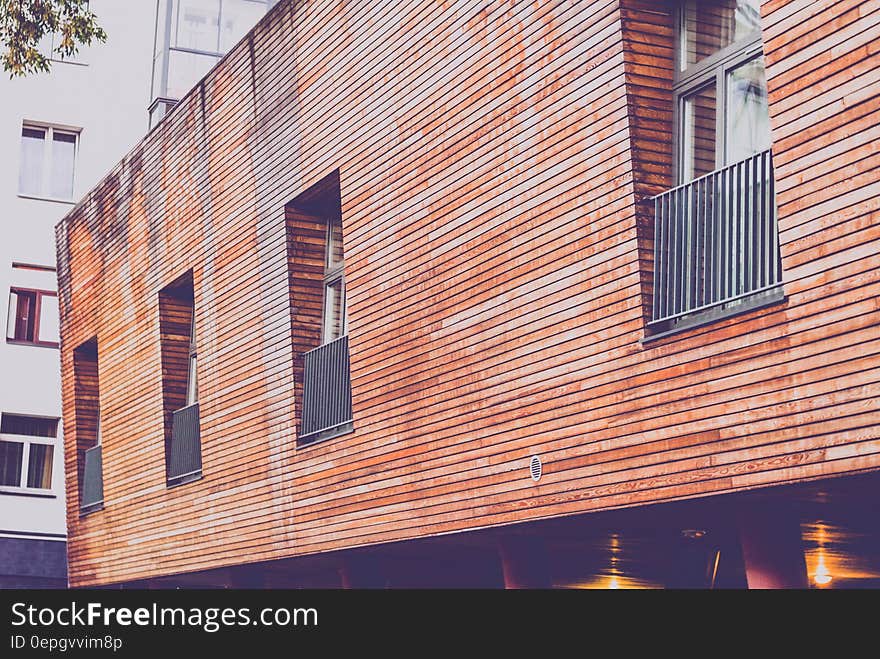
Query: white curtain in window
{"points": [[30, 178], [63, 153]]}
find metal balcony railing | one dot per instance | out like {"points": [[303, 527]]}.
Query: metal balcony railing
{"points": [[715, 240], [93, 479], [326, 390], [185, 452]]}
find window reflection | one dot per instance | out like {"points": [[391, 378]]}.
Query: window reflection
{"points": [[748, 117], [710, 25], [698, 134]]}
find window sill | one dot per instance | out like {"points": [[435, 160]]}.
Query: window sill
{"points": [[69, 202], [91, 508], [27, 492], [32, 344], [323, 435], [177, 481], [740, 306]]}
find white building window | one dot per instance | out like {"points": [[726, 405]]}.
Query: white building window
{"points": [[33, 317], [47, 162], [27, 451]]}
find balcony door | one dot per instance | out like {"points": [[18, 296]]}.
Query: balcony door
{"points": [[720, 86]]}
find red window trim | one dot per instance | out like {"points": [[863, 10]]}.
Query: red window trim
{"points": [[37, 308]]}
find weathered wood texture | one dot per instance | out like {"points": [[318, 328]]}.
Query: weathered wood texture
{"points": [[491, 156]]}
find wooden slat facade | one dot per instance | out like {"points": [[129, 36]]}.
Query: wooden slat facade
{"points": [[494, 163]]}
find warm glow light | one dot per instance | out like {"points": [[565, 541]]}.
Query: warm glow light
{"points": [[822, 576], [614, 584]]}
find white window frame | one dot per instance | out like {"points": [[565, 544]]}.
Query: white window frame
{"points": [[50, 130], [28, 440]]}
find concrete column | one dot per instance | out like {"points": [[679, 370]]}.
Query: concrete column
{"points": [[524, 562], [772, 548]]}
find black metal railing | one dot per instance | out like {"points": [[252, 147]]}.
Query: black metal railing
{"points": [[715, 240], [326, 390], [185, 452], [92, 493]]}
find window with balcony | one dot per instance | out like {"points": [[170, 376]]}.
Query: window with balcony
{"points": [[33, 317], [715, 239], [47, 159], [191, 37], [177, 327], [27, 453], [87, 430], [320, 324]]}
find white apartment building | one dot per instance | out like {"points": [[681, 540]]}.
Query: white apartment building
{"points": [[59, 134]]}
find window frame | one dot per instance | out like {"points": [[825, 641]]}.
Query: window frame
{"points": [[49, 131], [712, 69], [27, 441], [333, 273], [192, 378], [38, 305]]}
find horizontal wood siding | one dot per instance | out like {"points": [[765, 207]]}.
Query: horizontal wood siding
{"points": [[493, 161]]}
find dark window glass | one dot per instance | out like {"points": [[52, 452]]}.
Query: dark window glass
{"points": [[10, 463], [40, 466], [31, 426], [22, 325]]}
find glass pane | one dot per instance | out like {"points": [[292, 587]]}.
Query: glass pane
{"points": [[13, 314], [197, 24], [698, 134], [185, 70], [30, 176], [748, 118], [10, 463], [40, 466], [238, 17], [49, 319], [32, 426], [63, 152], [158, 88], [24, 321], [334, 244], [192, 383], [334, 303], [710, 25]]}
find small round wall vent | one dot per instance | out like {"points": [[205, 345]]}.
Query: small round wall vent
{"points": [[536, 468]]}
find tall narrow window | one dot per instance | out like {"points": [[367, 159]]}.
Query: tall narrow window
{"points": [[335, 316], [716, 248], [320, 327], [192, 383], [46, 168], [177, 328], [87, 427]]}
